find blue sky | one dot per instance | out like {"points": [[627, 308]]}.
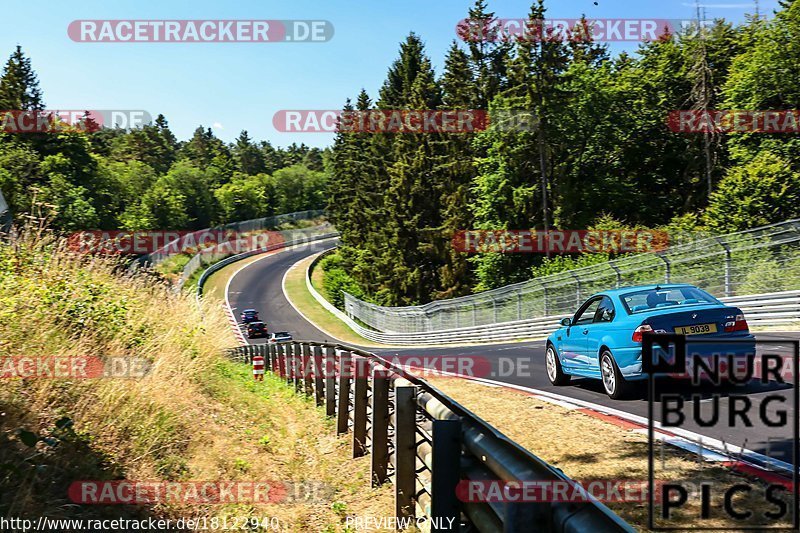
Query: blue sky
{"points": [[235, 86]]}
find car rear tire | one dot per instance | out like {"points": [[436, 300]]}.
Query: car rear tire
{"points": [[555, 373], [613, 381]]}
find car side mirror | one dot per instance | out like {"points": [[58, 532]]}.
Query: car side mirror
{"points": [[566, 322]]}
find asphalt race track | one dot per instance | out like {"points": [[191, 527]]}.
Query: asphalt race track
{"points": [[259, 286]]}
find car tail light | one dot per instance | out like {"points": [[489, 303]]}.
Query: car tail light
{"points": [[637, 333], [737, 324]]}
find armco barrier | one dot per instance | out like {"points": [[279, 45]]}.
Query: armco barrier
{"points": [[759, 309], [217, 253], [424, 442]]}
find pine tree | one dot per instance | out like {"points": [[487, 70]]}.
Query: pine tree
{"points": [[454, 174], [247, 157], [19, 86]]}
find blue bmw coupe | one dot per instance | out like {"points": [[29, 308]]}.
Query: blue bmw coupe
{"points": [[603, 340]]}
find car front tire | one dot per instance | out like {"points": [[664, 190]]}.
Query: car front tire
{"points": [[555, 373], [613, 381]]}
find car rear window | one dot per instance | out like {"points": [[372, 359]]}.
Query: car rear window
{"points": [[647, 300]]}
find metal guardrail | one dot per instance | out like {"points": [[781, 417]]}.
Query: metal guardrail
{"points": [[424, 442], [765, 259], [246, 226], [759, 309], [221, 251]]}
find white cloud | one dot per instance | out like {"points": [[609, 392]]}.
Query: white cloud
{"points": [[217, 126]]}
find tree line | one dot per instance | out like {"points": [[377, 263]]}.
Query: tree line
{"points": [[145, 178], [601, 155]]}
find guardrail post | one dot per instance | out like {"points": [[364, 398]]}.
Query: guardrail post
{"points": [[405, 451], [343, 409], [329, 365], [319, 382], [360, 369], [297, 367], [519, 305], [280, 361], [307, 370], [379, 442], [667, 266], [271, 365], [445, 475], [264, 350], [287, 362]]}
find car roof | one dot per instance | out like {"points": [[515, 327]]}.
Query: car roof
{"points": [[255, 323], [249, 311], [634, 288], [282, 333]]}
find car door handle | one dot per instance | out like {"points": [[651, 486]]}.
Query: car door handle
{"points": [[586, 332]]}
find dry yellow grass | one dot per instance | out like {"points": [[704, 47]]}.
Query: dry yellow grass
{"points": [[194, 416]]}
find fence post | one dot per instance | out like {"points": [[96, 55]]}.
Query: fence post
{"points": [[728, 285], [578, 289], [330, 380], [271, 359], [474, 315], [307, 370], [667, 266], [265, 351], [405, 451], [281, 361], [613, 265], [544, 298], [319, 382], [297, 366], [343, 409], [360, 369], [519, 305], [445, 475], [379, 442]]}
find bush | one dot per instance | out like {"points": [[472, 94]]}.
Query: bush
{"points": [[337, 281]]}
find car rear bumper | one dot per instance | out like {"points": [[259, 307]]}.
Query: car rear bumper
{"points": [[739, 347]]}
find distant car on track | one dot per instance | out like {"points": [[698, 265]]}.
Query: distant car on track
{"points": [[603, 340], [256, 329], [249, 315], [279, 336]]}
